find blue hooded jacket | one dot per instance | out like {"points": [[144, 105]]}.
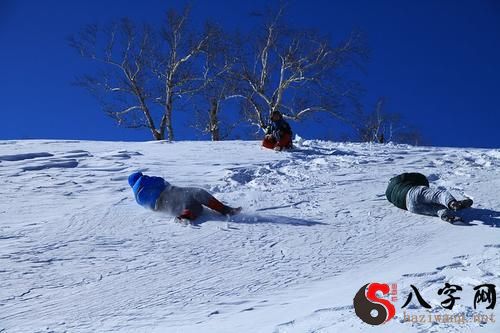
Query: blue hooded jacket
{"points": [[146, 189]]}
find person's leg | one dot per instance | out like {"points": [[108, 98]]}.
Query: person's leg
{"points": [[436, 196], [436, 210], [206, 199], [178, 201], [285, 141], [192, 211], [425, 201], [269, 143]]}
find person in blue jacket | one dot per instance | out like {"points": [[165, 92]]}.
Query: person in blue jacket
{"points": [[183, 202]]}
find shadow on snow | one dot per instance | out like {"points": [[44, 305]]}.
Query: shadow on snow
{"points": [[252, 218], [486, 216]]}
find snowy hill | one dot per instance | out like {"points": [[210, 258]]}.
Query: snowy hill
{"points": [[77, 254]]}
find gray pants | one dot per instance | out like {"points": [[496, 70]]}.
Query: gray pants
{"points": [[429, 201], [188, 202]]}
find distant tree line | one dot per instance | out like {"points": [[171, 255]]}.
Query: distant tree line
{"points": [[145, 73]]}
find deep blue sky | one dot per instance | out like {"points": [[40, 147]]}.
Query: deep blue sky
{"points": [[437, 63]]}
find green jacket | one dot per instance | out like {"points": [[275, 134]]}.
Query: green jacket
{"points": [[400, 185]]}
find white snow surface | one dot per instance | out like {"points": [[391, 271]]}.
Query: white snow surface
{"points": [[77, 254]]}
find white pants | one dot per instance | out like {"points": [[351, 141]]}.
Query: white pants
{"points": [[428, 201]]}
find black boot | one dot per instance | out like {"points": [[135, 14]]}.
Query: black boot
{"points": [[460, 204]]}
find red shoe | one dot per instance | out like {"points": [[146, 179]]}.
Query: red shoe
{"points": [[186, 214]]}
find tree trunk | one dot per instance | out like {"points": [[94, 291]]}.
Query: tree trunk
{"points": [[214, 120], [170, 128], [166, 121], [157, 135], [262, 121]]}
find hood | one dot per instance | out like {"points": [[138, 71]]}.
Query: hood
{"points": [[132, 179]]}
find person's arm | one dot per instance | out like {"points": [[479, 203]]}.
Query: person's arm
{"points": [[269, 132], [277, 131]]}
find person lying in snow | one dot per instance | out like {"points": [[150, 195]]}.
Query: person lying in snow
{"points": [[183, 202], [411, 191], [278, 133]]}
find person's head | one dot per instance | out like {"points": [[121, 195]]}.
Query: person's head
{"points": [[133, 178], [276, 115]]}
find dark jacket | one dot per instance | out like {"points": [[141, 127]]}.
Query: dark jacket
{"points": [[147, 189], [400, 185], [278, 128]]}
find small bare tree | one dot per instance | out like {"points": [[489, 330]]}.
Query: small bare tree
{"points": [[122, 83], [381, 126], [372, 127], [297, 72]]}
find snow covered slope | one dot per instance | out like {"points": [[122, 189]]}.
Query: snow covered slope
{"points": [[77, 253]]}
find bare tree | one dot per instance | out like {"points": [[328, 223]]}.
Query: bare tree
{"points": [[176, 64], [142, 72], [220, 83], [297, 72], [123, 82], [372, 127], [380, 126]]}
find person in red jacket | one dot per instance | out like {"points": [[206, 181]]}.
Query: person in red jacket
{"points": [[278, 133]]}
